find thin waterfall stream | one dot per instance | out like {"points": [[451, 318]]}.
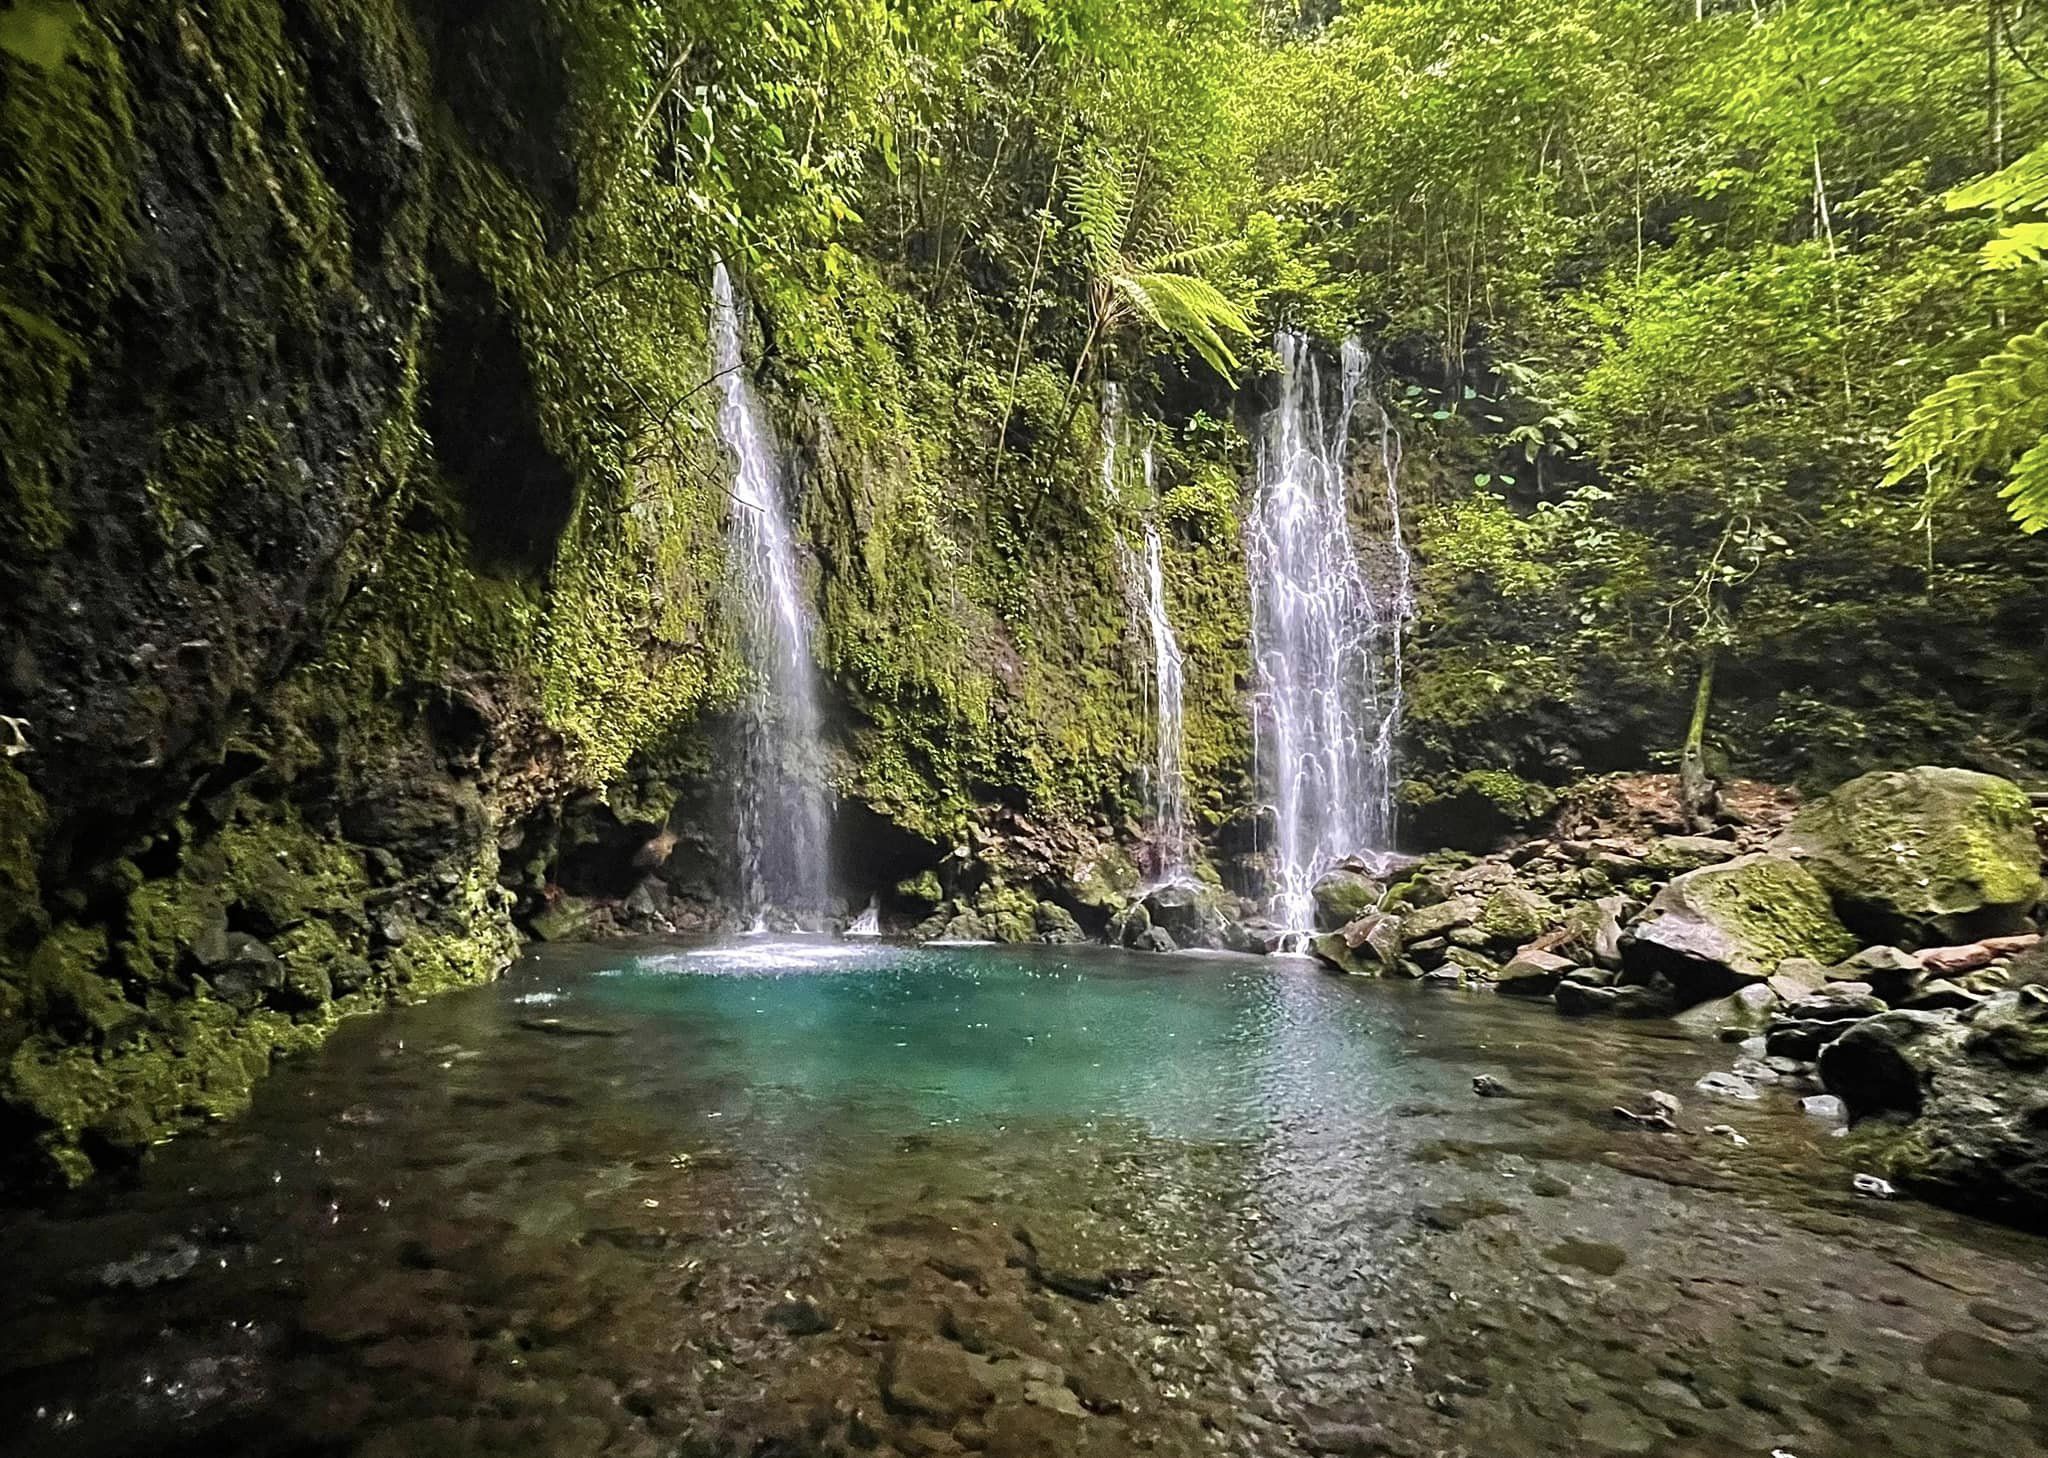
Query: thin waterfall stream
{"points": [[780, 797], [1169, 787], [1327, 622]]}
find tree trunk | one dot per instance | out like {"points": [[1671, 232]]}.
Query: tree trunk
{"points": [[1698, 795]]}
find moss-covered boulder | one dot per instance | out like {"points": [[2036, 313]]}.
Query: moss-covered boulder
{"points": [[1922, 856], [1344, 895], [1713, 930], [1515, 915]]}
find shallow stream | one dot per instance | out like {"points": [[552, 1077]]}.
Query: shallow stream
{"points": [[776, 1198]]}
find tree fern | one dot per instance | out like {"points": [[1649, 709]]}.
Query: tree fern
{"points": [[1993, 418]]}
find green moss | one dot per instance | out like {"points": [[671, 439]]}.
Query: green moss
{"points": [[21, 833]]}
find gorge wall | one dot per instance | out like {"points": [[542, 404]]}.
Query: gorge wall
{"points": [[362, 603]]}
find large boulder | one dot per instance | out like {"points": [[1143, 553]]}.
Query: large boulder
{"points": [[1195, 914], [1923, 856], [1955, 1104], [1721, 927], [1343, 895]]}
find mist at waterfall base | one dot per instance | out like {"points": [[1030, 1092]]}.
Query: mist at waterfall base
{"points": [[1327, 622], [779, 791]]}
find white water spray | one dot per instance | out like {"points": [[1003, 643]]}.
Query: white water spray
{"points": [[868, 923], [1326, 629], [780, 793]]}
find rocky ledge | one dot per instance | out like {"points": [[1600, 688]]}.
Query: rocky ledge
{"points": [[1878, 944]]}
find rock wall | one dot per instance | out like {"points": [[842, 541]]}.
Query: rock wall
{"points": [[361, 596]]}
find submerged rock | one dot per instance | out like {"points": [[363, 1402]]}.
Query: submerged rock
{"points": [[1713, 930], [1923, 855]]}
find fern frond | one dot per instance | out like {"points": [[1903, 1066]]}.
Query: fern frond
{"points": [[1104, 196], [2022, 245], [1191, 309], [1981, 417], [1189, 260], [2026, 491], [2020, 188]]}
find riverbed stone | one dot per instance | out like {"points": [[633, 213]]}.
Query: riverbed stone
{"points": [[1744, 1011], [1438, 920], [1533, 973], [1713, 930], [1514, 915], [1924, 855], [935, 1380], [1672, 855]]}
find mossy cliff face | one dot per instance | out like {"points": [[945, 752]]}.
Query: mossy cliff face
{"points": [[361, 593]]}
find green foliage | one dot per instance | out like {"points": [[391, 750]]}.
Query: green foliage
{"points": [[1994, 418]]}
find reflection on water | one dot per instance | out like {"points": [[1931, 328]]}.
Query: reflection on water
{"points": [[862, 1199]]}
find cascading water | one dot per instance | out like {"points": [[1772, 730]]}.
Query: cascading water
{"points": [[868, 923], [1169, 790], [1326, 630], [780, 790]]}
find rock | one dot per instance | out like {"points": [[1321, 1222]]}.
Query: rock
{"points": [[1534, 974], [563, 920], [1796, 977], [249, 970], [1923, 855], [1939, 994], [1872, 1187], [936, 1381], [1444, 977], [1713, 930], [1955, 961], [1578, 999], [1671, 855], [1728, 1086], [1745, 1010], [1654, 1110], [1838, 1004], [1194, 915], [1438, 920], [969, 926], [1155, 939], [1891, 973], [1823, 1106], [920, 892], [1514, 915], [1477, 966], [1870, 1067], [642, 905], [1056, 924], [1489, 1087], [171, 1259], [1600, 1259], [1128, 925], [1335, 951], [1344, 895], [799, 1318]]}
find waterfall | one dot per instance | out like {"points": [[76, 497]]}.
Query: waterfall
{"points": [[868, 923], [1169, 789], [780, 789], [1326, 628]]}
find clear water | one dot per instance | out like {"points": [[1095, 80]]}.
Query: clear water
{"points": [[782, 817], [1327, 624], [675, 1200]]}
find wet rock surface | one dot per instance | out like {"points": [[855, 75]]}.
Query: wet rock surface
{"points": [[1276, 1222]]}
